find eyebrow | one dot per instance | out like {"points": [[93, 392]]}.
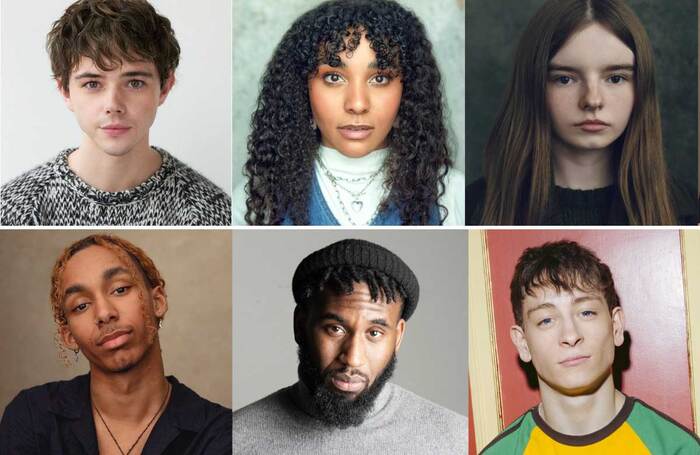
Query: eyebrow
{"points": [[577, 300], [335, 317], [89, 75], [106, 275], [541, 306], [607, 68], [372, 65]]}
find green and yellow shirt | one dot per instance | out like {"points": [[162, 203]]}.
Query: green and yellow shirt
{"points": [[637, 429]]}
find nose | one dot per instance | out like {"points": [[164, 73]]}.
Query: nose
{"points": [[591, 99], [357, 98], [570, 335], [114, 102], [105, 311], [353, 354]]}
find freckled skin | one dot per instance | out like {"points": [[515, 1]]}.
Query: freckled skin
{"points": [[591, 92], [354, 94], [104, 305], [362, 344]]}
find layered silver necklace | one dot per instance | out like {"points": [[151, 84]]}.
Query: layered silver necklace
{"points": [[356, 201]]}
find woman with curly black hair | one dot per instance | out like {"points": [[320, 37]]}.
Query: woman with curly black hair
{"points": [[349, 125]]}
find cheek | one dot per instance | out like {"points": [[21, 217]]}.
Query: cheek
{"points": [[387, 103], [322, 101], [559, 105]]}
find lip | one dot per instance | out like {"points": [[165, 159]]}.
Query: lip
{"points": [[574, 360], [592, 126], [349, 384], [114, 339], [355, 131], [115, 129]]}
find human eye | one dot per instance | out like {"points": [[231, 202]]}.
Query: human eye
{"points": [[545, 322], [136, 83], [380, 79], [80, 307], [588, 313], [375, 334], [332, 78], [562, 79], [91, 85], [121, 290], [334, 330], [617, 79]]}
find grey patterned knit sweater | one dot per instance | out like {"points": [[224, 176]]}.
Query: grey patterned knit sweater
{"points": [[401, 423], [52, 194]]}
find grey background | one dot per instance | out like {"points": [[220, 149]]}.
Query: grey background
{"points": [[432, 361], [258, 27], [495, 27], [196, 333], [194, 123]]}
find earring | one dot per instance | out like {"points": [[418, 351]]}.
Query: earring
{"points": [[160, 323], [76, 351], [312, 124]]}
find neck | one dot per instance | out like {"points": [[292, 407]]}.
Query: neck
{"points": [[133, 395], [581, 414], [114, 172], [581, 169]]}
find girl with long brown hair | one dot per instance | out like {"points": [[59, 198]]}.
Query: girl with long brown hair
{"points": [[578, 139]]}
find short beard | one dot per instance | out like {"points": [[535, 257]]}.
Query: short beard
{"points": [[334, 408]]}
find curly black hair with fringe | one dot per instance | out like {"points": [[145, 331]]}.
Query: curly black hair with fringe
{"points": [[282, 148]]}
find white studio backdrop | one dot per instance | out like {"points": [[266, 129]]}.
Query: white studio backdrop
{"points": [[194, 123]]}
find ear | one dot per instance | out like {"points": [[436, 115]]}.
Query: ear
{"points": [[160, 302], [67, 338], [65, 94], [400, 330], [517, 336], [300, 318], [618, 321], [167, 86]]}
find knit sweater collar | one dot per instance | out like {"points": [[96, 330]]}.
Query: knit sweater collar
{"points": [[348, 167], [140, 191], [302, 398]]}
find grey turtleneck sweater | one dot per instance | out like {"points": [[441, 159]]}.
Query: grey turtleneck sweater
{"points": [[400, 423], [52, 194]]}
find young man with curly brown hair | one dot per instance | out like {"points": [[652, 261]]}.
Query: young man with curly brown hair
{"points": [[114, 64]]}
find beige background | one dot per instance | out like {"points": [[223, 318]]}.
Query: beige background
{"points": [[196, 333]]}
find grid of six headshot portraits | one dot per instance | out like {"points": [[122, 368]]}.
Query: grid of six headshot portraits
{"points": [[176, 322]]}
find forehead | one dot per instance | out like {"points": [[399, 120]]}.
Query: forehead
{"points": [[593, 46], [359, 305], [89, 263]]}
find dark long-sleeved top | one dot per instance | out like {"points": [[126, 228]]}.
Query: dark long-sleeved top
{"points": [[56, 419]]}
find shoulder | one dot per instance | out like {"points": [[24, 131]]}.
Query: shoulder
{"points": [[684, 201], [269, 424], [20, 197], [432, 415], [28, 419], [659, 432], [264, 410], [211, 204], [453, 199], [513, 439], [210, 421], [476, 194]]}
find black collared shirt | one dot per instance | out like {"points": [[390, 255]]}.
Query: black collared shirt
{"points": [[56, 419]]}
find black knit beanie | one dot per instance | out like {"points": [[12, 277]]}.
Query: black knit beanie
{"points": [[360, 253]]}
